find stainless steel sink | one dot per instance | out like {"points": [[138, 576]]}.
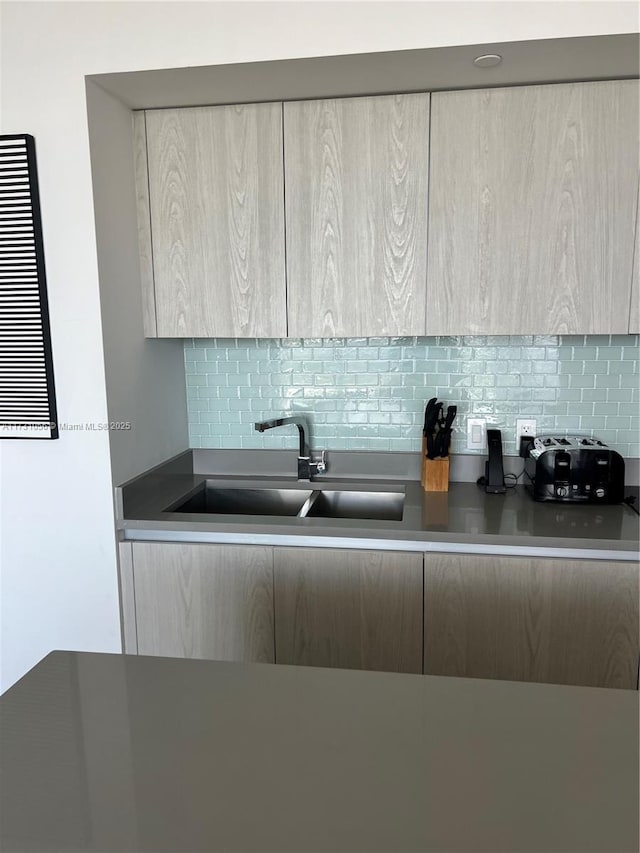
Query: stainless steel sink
{"points": [[283, 502], [376, 506], [292, 502]]}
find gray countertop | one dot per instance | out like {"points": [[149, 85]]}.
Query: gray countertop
{"points": [[127, 753], [464, 519]]}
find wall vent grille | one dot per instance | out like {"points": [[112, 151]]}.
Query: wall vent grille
{"points": [[27, 395]]}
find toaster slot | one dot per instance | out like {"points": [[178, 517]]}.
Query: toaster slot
{"points": [[561, 473]]}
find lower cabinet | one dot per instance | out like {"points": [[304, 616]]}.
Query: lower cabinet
{"points": [[349, 609], [204, 601], [511, 618], [520, 619]]}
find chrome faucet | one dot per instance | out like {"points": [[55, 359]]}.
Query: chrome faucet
{"points": [[307, 467]]}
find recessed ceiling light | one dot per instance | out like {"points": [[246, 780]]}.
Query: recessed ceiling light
{"points": [[487, 60]]}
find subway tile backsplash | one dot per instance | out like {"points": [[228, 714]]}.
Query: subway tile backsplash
{"points": [[369, 393]]}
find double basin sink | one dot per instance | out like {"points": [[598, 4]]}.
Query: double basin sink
{"points": [[330, 502]]}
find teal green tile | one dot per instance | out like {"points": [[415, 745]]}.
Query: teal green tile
{"points": [[545, 366], [391, 379], [618, 422], [593, 367], [572, 367], [556, 381], [193, 380], [496, 367], [510, 353], [591, 422], [629, 381], [614, 381], [595, 396], [324, 353], [598, 340], [568, 423], [378, 366], [561, 408], [628, 409], [623, 366], [582, 382], [532, 353], [520, 367], [473, 367], [252, 379], [585, 353], [534, 381], [565, 353], [608, 354], [543, 395], [628, 435]]}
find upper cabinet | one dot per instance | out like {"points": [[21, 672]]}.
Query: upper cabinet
{"points": [[634, 318], [524, 198], [216, 202], [356, 177], [532, 209]]}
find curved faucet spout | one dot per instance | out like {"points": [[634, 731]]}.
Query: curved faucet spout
{"points": [[303, 429], [306, 466]]}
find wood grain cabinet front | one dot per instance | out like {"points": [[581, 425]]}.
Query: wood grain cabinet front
{"points": [[349, 609], [356, 178], [215, 221], [533, 195], [204, 601], [520, 619], [634, 316]]}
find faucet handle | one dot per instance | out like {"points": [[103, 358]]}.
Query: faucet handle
{"points": [[321, 464]]}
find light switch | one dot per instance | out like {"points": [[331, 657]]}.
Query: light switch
{"points": [[476, 434]]}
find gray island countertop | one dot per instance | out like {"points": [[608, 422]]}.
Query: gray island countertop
{"points": [[464, 520], [127, 753]]}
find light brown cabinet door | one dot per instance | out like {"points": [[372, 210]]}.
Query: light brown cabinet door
{"points": [[204, 601], [349, 609], [521, 619], [634, 316], [532, 209], [217, 220], [356, 177]]}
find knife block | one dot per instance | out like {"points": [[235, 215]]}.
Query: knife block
{"points": [[435, 472]]}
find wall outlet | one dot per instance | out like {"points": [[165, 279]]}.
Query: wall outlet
{"points": [[525, 427], [476, 434]]}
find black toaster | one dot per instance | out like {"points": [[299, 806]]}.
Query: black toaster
{"points": [[574, 469]]}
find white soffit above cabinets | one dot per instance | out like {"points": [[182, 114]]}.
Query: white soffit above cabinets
{"points": [[542, 61]]}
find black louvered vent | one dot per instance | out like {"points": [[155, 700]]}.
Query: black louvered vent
{"points": [[27, 397]]}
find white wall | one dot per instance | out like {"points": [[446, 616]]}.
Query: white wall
{"points": [[58, 575]]}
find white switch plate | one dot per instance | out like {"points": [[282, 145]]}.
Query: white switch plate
{"points": [[525, 426], [476, 434]]}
